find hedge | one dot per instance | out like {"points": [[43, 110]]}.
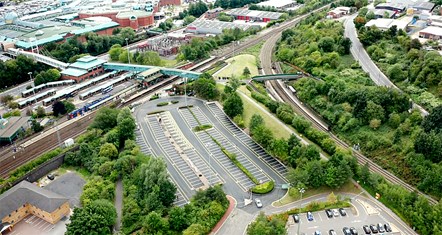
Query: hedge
{"points": [[162, 104], [264, 188], [175, 101], [202, 127], [318, 206], [154, 97], [232, 157]]}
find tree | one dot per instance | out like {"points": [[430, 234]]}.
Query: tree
{"points": [[154, 224], [434, 120], [108, 151], [149, 58], [429, 144], [189, 19], [233, 105], [195, 229], [416, 44], [96, 218], [105, 119], [255, 121], [396, 73], [197, 9], [205, 88], [177, 219], [6, 99], [36, 127], [263, 225], [263, 135], [374, 111], [126, 126], [326, 44], [40, 111], [246, 72], [69, 106], [58, 108], [375, 123], [115, 51]]}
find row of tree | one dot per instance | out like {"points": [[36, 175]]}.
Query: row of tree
{"points": [[118, 53], [93, 44], [15, 71]]}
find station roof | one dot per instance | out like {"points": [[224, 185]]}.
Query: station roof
{"points": [[24, 44], [73, 72], [87, 62], [10, 128]]}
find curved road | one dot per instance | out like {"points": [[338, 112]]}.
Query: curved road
{"points": [[358, 52]]}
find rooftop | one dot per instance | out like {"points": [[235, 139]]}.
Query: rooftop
{"points": [[69, 185], [87, 62], [276, 3], [253, 13], [95, 28], [424, 5], [393, 5], [11, 126], [25, 192], [382, 23], [432, 30], [73, 72], [218, 25]]}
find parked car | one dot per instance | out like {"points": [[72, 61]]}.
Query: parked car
{"points": [[335, 212], [332, 232], [373, 228], [366, 229], [387, 227], [346, 231], [296, 218], [309, 216], [353, 231], [381, 228], [258, 203], [51, 176], [342, 211], [329, 213], [317, 233]]}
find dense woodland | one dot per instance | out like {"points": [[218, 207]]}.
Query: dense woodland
{"points": [[108, 152], [406, 62], [374, 117], [16, 71]]}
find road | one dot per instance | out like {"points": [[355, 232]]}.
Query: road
{"points": [[360, 54], [365, 210]]}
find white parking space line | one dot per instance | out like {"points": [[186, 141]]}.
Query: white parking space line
{"points": [[320, 216]]}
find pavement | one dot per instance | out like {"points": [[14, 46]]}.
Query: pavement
{"points": [[118, 203], [360, 55]]}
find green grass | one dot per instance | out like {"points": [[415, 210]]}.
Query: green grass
{"points": [[169, 63], [255, 51], [347, 188], [278, 129], [237, 65]]}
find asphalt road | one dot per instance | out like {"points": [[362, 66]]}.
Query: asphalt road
{"points": [[205, 153], [359, 53]]}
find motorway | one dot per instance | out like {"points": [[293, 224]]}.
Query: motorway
{"points": [[360, 54]]}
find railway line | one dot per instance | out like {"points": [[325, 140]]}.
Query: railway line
{"points": [[11, 160], [318, 123]]}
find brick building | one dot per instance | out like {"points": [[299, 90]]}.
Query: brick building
{"points": [[28, 199], [85, 68], [134, 18]]}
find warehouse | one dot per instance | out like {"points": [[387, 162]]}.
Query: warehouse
{"points": [[431, 32], [399, 7], [385, 24], [278, 4], [215, 27], [251, 15]]}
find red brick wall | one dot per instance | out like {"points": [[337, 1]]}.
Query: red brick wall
{"points": [[83, 77], [112, 15]]}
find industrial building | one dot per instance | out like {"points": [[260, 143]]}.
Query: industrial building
{"points": [[214, 27], [28, 199], [383, 13], [385, 24], [338, 12], [85, 67], [127, 18], [165, 44], [252, 15], [213, 13], [278, 4], [399, 7]]}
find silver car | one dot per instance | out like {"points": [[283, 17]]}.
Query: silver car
{"points": [[258, 203]]}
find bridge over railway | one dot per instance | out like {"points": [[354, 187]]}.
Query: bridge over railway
{"points": [[39, 57], [140, 68], [262, 78]]}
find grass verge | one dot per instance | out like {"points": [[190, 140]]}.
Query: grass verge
{"points": [[237, 64]]}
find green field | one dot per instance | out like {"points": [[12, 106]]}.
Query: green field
{"points": [[237, 64]]}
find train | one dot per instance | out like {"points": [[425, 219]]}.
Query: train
{"points": [[86, 108]]}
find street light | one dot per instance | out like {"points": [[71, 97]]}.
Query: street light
{"points": [[185, 92], [301, 190], [128, 52], [30, 75]]}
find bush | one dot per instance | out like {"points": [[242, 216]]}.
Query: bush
{"points": [[264, 188], [232, 157], [175, 101], [15, 112], [249, 88], [239, 121], [154, 97], [162, 104]]}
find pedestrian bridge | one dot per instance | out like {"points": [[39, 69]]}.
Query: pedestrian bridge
{"points": [[262, 78], [40, 58], [140, 68]]}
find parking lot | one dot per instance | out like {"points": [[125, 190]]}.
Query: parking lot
{"points": [[323, 223], [36, 226]]}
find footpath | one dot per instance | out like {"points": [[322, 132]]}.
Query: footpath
{"points": [[232, 205]]}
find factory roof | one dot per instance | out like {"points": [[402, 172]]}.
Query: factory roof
{"points": [[387, 23], [392, 5], [432, 30], [218, 25], [381, 12], [276, 3], [253, 13], [73, 72], [424, 6]]}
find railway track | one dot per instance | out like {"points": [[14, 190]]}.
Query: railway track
{"points": [[321, 125], [50, 142]]}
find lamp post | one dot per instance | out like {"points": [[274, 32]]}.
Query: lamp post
{"points": [[301, 190], [128, 52], [30, 76], [185, 91]]}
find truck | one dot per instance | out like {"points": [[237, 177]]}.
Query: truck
{"points": [[69, 142]]}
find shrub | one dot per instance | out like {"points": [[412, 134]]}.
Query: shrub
{"points": [[175, 101], [264, 188], [239, 121], [162, 104], [154, 97], [202, 127]]}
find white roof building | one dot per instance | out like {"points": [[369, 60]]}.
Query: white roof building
{"points": [[384, 24], [278, 4]]}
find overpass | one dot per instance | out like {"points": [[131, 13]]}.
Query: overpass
{"points": [[40, 58], [263, 78], [140, 68]]}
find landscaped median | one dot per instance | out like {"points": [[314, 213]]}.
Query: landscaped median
{"points": [[264, 188], [232, 157], [202, 127]]}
